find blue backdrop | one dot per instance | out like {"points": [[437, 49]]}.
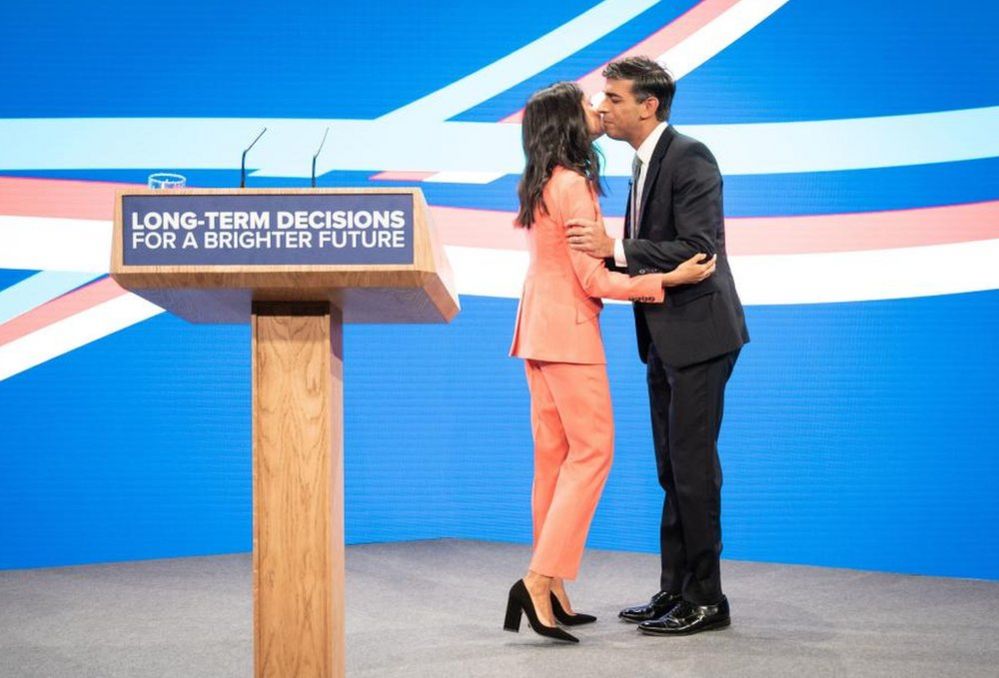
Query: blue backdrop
{"points": [[860, 433]]}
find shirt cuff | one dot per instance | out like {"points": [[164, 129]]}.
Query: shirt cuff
{"points": [[619, 259]]}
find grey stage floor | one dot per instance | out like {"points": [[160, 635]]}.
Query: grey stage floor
{"points": [[435, 609]]}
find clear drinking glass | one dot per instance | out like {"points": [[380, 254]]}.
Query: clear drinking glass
{"points": [[167, 180]]}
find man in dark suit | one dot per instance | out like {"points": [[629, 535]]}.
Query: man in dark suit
{"points": [[690, 344]]}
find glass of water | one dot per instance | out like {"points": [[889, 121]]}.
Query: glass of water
{"points": [[167, 180]]}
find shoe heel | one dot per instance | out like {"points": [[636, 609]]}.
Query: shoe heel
{"points": [[520, 602], [513, 615]]}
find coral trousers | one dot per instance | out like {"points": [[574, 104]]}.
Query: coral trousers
{"points": [[573, 428]]}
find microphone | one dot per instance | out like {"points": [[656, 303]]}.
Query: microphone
{"points": [[318, 151], [242, 167]]}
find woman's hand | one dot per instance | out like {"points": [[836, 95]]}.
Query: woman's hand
{"points": [[690, 271]]}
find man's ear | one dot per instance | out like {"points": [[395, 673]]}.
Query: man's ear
{"points": [[649, 107]]}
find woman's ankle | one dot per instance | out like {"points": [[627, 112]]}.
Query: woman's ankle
{"points": [[537, 583]]}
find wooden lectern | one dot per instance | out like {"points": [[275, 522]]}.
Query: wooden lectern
{"points": [[296, 264]]}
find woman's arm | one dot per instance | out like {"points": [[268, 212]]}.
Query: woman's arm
{"points": [[574, 199]]}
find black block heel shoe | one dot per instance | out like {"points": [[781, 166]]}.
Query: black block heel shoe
{"points": [[520, 601], [569, 619]]}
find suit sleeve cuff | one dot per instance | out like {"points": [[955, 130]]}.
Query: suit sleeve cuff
{"points": [[619, 259]]}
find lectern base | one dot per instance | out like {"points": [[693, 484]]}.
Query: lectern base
{"points": [[298, 552]]}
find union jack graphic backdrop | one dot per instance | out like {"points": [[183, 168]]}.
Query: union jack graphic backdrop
{"points": [[860, 147]]}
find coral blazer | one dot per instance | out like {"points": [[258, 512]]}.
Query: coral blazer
{"points": [[558, 315]]}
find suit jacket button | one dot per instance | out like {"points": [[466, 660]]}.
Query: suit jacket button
{"points": [[641, 271]]}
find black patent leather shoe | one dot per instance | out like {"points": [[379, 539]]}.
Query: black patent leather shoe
{"points": [[686, 618], [567, 619], [660, 604]]}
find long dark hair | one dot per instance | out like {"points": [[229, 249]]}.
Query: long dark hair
{"points": [[554, 133]]}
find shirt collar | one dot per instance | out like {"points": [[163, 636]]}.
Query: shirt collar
{"points": [[648, 146]]}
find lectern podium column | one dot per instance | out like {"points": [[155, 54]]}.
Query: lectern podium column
{"points": [[298, 548], [296, 264]]}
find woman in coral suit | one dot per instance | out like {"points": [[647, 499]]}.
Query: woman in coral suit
{"points": [[558, 336]]}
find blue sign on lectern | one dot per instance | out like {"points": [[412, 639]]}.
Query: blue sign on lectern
{"points": [[262, 229]]}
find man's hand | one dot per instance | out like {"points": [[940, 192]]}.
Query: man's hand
{"points": [[589, 237]]}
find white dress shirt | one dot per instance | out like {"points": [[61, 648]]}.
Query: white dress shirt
{"points": [[644, 153]]}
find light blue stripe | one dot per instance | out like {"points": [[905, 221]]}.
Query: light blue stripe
{"points": [[38, 289], [368, 145]]}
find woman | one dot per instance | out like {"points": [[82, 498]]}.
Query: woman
{"points": [[558, 336]]}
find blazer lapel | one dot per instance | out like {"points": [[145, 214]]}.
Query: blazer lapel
{"points": [[650, 176]]}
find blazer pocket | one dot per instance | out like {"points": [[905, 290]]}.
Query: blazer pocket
{"points": [[682, 297], [585, 311]]}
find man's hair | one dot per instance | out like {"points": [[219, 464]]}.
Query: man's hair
{"points": [[648, 79]]}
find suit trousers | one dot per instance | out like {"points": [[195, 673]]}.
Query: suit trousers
{"points": [[573, 429], [686, 405]]}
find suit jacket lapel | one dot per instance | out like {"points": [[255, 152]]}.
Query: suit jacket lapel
{"points": [[653, 172]]}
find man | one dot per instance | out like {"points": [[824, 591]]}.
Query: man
{"points": [[690, 344]]}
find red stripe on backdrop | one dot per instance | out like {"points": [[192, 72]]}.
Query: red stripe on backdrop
{"points": [[681, 28], [493, 229], [58, 198], [60, 308], [864, 231], [401, 176], [771, 235]]}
